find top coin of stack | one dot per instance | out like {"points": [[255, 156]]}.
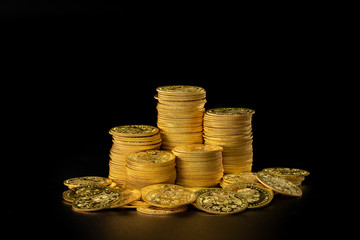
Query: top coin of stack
{"points": [[244, 177], [198, 165], [128, 139], [150, 167], [294, 175], [231, 129], [180, 114]]}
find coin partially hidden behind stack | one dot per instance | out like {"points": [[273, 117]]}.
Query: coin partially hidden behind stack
{"points": [[150, 167], [180, 114], [244, 177], [198, 165], [231, 129], [294, 175], [128, 139]]}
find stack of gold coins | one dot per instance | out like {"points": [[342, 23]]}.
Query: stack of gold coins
{"points": [[180, 114], [244, 177], [150, 167], [231, 129], [128, 139], [198, 165], [294, 175]]}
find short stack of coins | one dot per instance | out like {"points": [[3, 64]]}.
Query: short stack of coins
{"points": [[198, 165], [128, 139], [231, 128], [180, 114], [150, 167]]}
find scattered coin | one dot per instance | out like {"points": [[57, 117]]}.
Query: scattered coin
{"points": [[279, 184], [78, 181], [256, 195], [153, 210], [84, 190], [97, 202]]}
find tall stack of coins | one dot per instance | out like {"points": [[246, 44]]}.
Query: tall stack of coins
{"points": [[180, 114], [231, 129], [150, 167], [198, 165], [128, 139]]}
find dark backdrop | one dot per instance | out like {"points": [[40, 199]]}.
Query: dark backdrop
{"points": [[76, 70]]}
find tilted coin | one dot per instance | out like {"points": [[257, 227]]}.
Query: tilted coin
{"points": [[170, 196], [77, 181], [221, 202], [286, 171], [97, 202], [128, 196], [153, 210], [279, 184], [84, 190], [256, 195]]}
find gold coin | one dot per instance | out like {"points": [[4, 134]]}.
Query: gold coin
{"points": [[197, 148], [221, 202], [155, 157], [255, 194], [84, 190], [170, 196], [182, 89], [128, 196], [279, 184], [153, 210], [281, 171], [96, 202], [134, 130], [77, 181]]}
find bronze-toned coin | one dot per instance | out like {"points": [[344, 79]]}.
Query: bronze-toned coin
{"points": [[153, 210], [84, 190], [221, 202], [77, 181], [255, 194], [97, 202], [278, 184]]}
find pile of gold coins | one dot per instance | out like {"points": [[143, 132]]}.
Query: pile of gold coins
{"points": [[92, 193], [231, 129], [198, 165], [193, 158], [128, 139], [150, 167], [180, 115]]}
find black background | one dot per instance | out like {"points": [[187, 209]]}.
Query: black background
{"points": [[77, 70]]}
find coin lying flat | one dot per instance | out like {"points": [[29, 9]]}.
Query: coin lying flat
{"points": [[255, 194], [97, 202], [231, 111], [279, 184], [77, 181], [84, 190], [170, 196], [131, 130], [221, 202], [153, 210]]}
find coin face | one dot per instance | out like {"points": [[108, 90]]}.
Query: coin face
{"points": [[180, 88], [279, 184], [286, 171], [97, 202], [153, 210], [77, 181], [170, 196], [256, 195], [221, 202], [84, 190], [142, 130], [231, 111]]}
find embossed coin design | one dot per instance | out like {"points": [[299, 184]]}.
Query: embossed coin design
{"points": [[256, 195], [97, 202], [170, 196], [77, 181], [84, 190], [279, 184], [221, 202]]}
